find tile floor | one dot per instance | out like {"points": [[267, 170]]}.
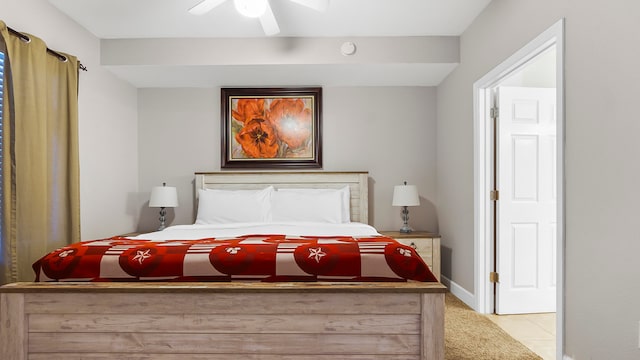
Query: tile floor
{"points": [[535, 331]]}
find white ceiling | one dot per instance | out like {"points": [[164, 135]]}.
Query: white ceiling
{"points": [[117, 19], [135, 19]]}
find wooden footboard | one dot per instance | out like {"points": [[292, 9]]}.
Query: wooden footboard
{"points": [[167, 321]]}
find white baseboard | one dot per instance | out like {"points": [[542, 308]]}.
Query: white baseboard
{"points": [[459, 292]]}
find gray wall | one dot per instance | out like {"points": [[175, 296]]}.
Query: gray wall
{"points": [[388, 131], [602, 127], [107, 120]]}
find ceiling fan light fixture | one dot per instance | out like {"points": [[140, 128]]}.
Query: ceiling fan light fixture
{"points": [[251, 8]]}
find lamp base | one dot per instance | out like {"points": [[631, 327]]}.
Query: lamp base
{"points": [[163, 212], [405, 219]]}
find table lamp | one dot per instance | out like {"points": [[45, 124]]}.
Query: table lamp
{"points": [[163, 197], [405, 195]]}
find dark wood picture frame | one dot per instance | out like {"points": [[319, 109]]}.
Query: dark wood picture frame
{"points": [[271, 128]]}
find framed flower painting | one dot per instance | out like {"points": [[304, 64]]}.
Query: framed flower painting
{"points": [[271, 127]]}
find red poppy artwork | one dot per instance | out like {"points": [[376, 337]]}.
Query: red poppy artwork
{"points": [[271, 127]]}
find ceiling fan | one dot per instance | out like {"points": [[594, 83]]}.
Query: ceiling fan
{"points": [[258, 9]]}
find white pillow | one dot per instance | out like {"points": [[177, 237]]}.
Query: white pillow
{"points": [[232, 206], [345, 198], [292, 205]]}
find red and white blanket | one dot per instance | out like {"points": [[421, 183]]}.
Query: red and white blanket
{"points": [[266, 258]]}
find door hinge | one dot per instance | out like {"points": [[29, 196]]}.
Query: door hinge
{"points": [[494, 195], [493, 277], [493, 112]]}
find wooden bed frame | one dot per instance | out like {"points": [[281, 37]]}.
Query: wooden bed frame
{"points": [[215, 321]]}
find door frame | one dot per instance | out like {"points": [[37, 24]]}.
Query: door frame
{"points": [[483, 165]]}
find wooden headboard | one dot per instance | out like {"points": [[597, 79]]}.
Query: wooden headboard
{"points": [[356, 180]]}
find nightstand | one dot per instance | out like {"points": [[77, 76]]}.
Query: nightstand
{"points": [[426, 244]]}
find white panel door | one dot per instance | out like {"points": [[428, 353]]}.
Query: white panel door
{"points": [[526, 209]]}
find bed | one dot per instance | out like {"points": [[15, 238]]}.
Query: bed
{"points": [[229, 320]]}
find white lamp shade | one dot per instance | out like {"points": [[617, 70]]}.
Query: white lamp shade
{"points": [[163, 196], [405, 195]]}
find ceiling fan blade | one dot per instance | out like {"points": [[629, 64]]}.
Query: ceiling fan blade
{"points": [[205, 6], [269, 22], [318, 5]]}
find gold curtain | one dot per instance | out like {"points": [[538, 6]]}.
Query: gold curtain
{"points": [[41, 198]]}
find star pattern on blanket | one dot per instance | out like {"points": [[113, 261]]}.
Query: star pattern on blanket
{"points": [[142, 255], [65, 253], [232, 250], [317, 254], [405, 252]]}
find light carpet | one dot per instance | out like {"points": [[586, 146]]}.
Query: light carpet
{"points": [[472, 336]]}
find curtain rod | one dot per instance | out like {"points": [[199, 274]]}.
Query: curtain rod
{"points": [[24, 37]]}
